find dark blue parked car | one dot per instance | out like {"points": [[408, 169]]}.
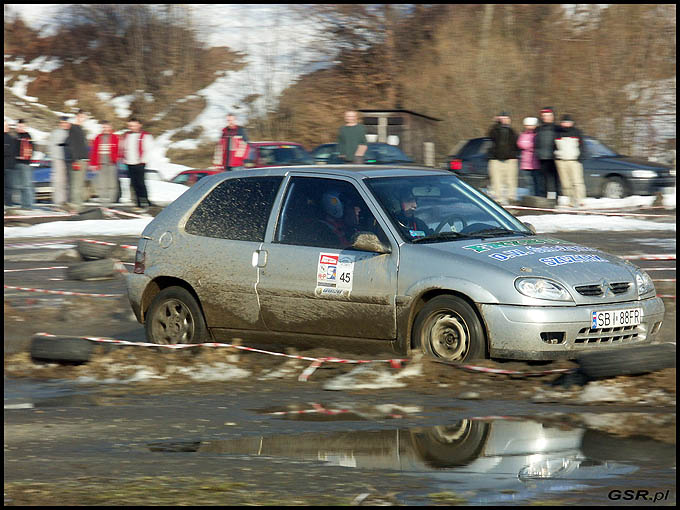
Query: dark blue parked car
{"points": [[377, 153], [605, 172], [42, 171]]}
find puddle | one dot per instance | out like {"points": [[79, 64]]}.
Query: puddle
{"points": [[340, 412], [483, 461], [29, 394]]}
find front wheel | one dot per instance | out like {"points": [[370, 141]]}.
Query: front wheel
{"points": [[448, 328], [175, 317], [614, 187]]}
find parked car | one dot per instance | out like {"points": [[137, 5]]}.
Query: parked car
{"points": [[249, 256], [191, 177], [42, 175], [605, 172], [266, 154], [377, 153]]}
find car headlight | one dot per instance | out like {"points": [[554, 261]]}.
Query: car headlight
{"points": [[541, 288], [644, 174], [644, 283]]}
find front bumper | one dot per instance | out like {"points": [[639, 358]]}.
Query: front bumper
{"points": [[515, 331], [650, 186]]}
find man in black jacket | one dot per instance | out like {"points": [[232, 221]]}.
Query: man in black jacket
{"points": [[10, 161], [503, 160], [77, 168], [23, 173], [544, 147]]}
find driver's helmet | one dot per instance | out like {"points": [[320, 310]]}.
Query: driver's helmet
{"points": [[332, 205]]}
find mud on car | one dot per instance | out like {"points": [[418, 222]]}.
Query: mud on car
{"points": [[412, 257]]}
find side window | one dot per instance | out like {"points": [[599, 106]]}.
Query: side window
{"points": [[327, 213], [236, 209], [181, 179]]}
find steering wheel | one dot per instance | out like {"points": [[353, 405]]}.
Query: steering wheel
{"points": [[450, 219]]}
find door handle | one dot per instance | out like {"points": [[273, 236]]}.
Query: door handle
{"points": [[259, 258]]}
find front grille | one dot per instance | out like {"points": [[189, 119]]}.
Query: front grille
{"points": [[598, 290], [622, 334]]}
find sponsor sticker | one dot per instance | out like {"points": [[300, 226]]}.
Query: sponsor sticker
{"points": [[334, 275]]}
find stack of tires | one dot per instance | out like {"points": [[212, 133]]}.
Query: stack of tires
{"points": [[100, 260]]}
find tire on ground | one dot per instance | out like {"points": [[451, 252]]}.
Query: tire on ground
{"points": [[104, 268], [61, 348], [94, 251], [448, 328], [123, 254], [175, 316], [89, 214], [627, 361]]}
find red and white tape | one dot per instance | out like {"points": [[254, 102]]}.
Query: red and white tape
{"points": [[106, 243], [20, 246], [60, 292], [662, 256], [34, 269], [33, 216], [123, 213], [589, 211], [320, 409], [489, 370]]}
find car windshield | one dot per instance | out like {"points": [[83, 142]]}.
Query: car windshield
{"points": [[384, 153], [436, 208], [596, 149], [284, 155]]}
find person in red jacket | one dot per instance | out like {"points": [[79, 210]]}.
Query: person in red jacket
{"points": [[103, 158], [232, 148]]}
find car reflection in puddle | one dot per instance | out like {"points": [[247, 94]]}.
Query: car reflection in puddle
{"points": [[489, 460]]}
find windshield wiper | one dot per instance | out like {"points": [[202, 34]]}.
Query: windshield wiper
{"points": [[497, 232], [439, 236]]}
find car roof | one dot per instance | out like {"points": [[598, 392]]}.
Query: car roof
{"points": [[363, 171], [274, 143]]}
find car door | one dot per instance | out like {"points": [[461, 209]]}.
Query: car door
{"points": [[310, 282], [223, 231]]}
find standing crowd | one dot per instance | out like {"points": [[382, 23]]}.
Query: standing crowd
{"points": [[72, 157], [552, 153]]}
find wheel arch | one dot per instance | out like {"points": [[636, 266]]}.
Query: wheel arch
{"points": [[160, 283]]}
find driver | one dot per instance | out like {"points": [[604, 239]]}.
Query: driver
{"points": [[415, 227]]}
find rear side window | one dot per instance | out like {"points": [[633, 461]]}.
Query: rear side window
{"points": [[237, 209]]}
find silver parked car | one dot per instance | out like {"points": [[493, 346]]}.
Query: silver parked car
{"points": [[413, 257]]}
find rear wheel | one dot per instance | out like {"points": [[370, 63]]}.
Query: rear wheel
{"points": [[614, 187], [448, 328], [175, 317]]}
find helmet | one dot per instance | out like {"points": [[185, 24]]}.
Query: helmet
{"points": [[330, 201]]}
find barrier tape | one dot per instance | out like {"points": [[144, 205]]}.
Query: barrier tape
{"points": [[123, 213], [106, 243], [663, 256], [19, 246], [35, 269], [26, 217], [318, 408], [668, 296], [502, 371], [589, 211], [659, 269], [61, 292]]}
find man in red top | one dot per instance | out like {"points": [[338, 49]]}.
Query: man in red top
{"points": [[103, 158], [232, 147]]}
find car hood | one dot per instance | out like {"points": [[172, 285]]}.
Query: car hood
{"points": [[634, 163], [496, 262]]}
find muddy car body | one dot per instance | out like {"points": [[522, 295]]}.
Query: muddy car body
{"points": [[251, 254]]}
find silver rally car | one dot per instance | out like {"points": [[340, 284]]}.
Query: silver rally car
{"points": [[413, 257]]}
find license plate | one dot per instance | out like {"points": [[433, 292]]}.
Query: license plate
{"points": [[616, 318]]}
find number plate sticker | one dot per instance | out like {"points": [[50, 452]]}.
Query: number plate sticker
{"points": [[334, 274], [616, 318]]}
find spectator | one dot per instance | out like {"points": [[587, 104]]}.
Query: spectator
{"points": [[503, 160], [352, 139], [23, 175], [568, 157], [528, 159], [56, 147], [544, 147], [79, 153], [232, 148], [103, 159], [10, 162], [136, 146]]}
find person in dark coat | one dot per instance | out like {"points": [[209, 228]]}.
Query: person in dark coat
{"points": [[79, 152], [503, 160], [10, 161], [23, 173], [544, 147]]}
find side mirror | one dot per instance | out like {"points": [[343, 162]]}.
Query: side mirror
{"points": [[530, 227], [368, 241]]}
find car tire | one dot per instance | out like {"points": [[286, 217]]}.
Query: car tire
{"points": [[104, 268], [93, 251], [627, 361], [451, 445], [175, 317], [89, 214], [61, 348], [614, 187], [448, 328]]}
